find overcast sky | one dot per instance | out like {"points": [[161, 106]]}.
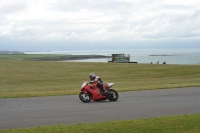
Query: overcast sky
{"points": [[29, 25]]}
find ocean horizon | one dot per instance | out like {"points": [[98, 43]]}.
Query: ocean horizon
{"points": [[170, 56]]}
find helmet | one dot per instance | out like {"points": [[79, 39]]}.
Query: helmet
{"points": [[92, 76]]}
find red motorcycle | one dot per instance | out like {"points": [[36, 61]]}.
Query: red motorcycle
{"points": [[89, 92]]}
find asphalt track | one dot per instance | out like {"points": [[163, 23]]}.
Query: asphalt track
{"points": [[40, 111]]}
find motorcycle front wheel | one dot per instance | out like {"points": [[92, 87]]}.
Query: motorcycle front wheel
{"points": [[86, 98], [114, 95]]}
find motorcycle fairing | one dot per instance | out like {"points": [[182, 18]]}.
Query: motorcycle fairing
{"points": [[96, 95]]}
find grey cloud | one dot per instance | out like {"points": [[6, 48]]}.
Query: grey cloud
{"points": [[178, 7], [108, 21], [13, 6], [77, 5], [196, 14]]}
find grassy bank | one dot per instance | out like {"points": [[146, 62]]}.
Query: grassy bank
{"points": [[25, 56], [47, 57], [20, 78], [174, 124]]}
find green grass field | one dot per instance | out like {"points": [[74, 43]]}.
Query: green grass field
{"points": [[22, 78], [46, 57], [173, 124]]}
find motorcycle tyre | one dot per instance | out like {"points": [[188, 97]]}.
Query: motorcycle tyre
{"points": [[110, 97], [84, 100]]}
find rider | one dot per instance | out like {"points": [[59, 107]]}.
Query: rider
{"points": [[96, 81]]}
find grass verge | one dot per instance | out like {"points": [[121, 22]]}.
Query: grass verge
{"points": [[46, 57], [172, 124], [20, 78]]}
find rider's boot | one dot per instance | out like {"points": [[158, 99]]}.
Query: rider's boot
{"points": [[102, 91]]}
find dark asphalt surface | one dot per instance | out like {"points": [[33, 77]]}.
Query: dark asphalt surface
{"points": [[40, 111]]}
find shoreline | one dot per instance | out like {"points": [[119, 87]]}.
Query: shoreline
{"points": [[49, 57], [69, 57]]}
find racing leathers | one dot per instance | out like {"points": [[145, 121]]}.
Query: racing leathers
{"points": [[96, 81]]}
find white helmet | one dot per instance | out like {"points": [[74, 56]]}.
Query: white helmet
{"points": [[92, 76]]}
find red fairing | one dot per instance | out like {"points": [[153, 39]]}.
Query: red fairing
{"points": [[106, 86], [94, 91], [83, 90]]}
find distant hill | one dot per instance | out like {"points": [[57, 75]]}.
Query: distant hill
{"points": [[11, 52]]}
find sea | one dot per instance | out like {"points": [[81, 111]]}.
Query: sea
{"points": [[170, 56]]}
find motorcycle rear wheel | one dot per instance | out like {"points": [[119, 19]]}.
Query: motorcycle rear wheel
{"points": [[114, 95], [86, 98]]}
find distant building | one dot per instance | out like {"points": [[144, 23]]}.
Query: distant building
{"points": [[119, 58]]}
